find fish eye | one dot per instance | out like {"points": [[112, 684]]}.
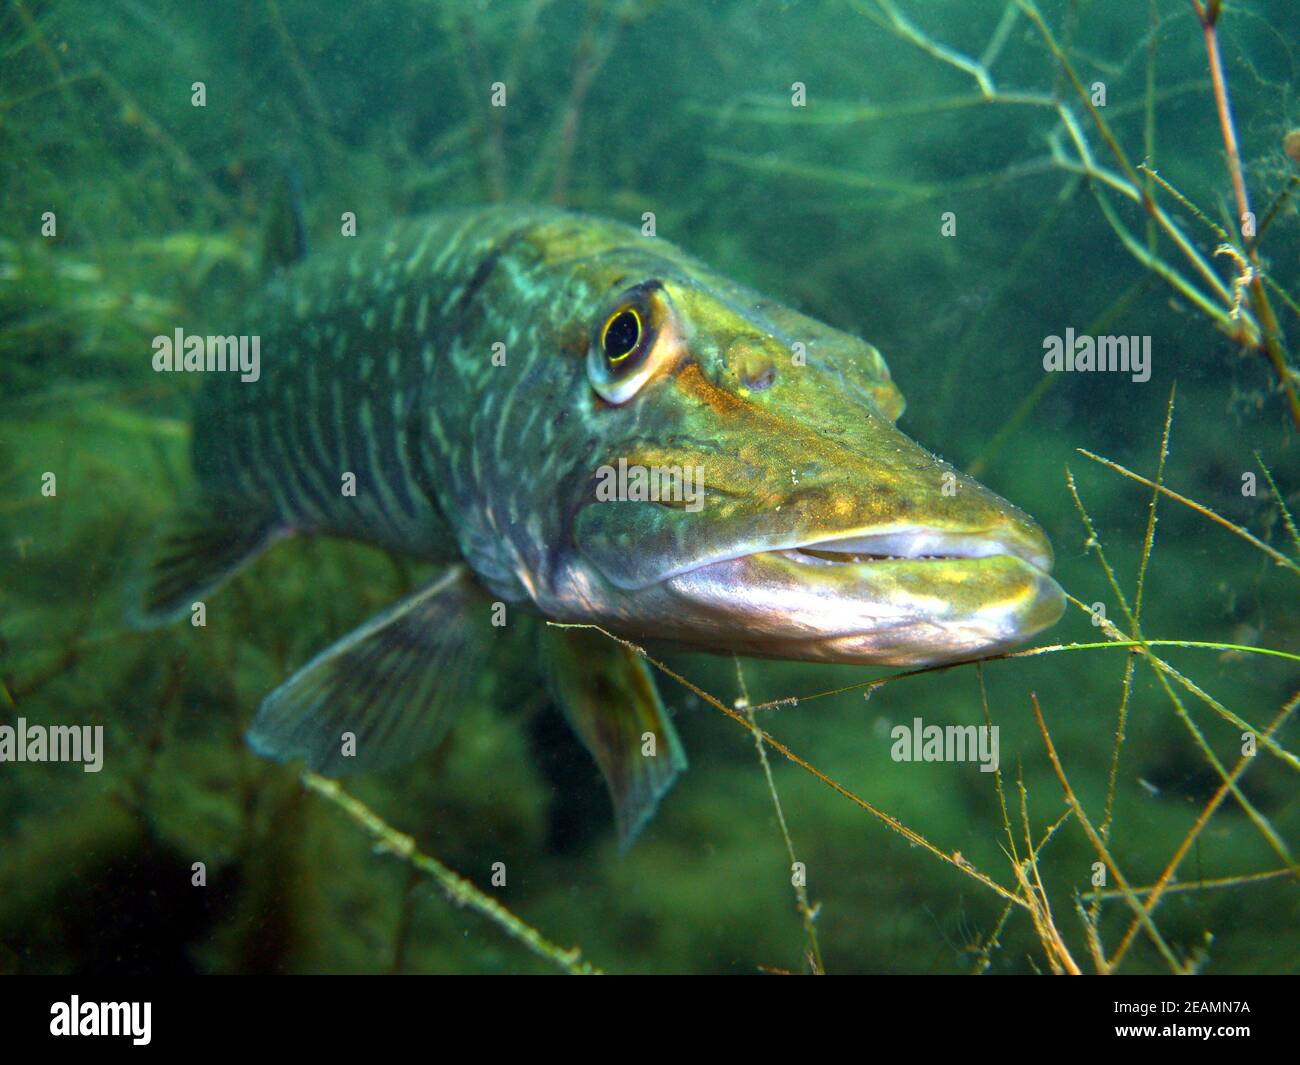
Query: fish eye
{"points": [[630, 342], [621, 335]]}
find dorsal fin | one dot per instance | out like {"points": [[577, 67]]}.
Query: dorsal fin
{"points": [[285, 239]]}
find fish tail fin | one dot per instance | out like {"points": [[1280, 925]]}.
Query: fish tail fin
{"points": [[199, 550], [609, 698]]}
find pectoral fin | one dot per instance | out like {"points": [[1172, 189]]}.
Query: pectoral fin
{"points": [[393, 685], [608, 695]]}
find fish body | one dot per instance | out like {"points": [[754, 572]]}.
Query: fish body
{"points": [[463, 388]]}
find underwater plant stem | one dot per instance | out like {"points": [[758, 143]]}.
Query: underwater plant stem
{"points": [[1117, 639], [305, 83], [1287, 518], [1200, 508], [997, 772], [869, 686], [458, 889], [488, 127], [1186, 204], [1272, 331], [991, 940], [154, 131], [807, 912], [33, 28], [1035, 897], [1269, 331], [893, 823], [1117, 642], [1163, 670], [1100, 845], [1243, 329], [1149, 112], [1149, 540], [588, 62], [895, 21], [1126, 690], [1103, 127], [1271, 341], [1163, 883], [1275, 208], [1258, 819], [1209, 24], [1196, 885], [1040, 909]]}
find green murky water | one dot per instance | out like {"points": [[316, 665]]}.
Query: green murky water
{"points": [[924, 175]]}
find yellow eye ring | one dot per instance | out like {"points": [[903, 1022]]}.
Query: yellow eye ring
{"points": [[627, 329], [630, 344]]}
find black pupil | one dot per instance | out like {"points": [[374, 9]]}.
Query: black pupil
{"points": [[622, 334]]}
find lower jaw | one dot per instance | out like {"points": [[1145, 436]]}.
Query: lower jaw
{"points": [[895, 647], [899, 648], [905, 613]]}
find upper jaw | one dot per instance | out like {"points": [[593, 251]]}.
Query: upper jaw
{"points": [[1019, 539], [924, 543]]}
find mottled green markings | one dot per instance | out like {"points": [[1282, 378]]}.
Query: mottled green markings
{"points": [[377, 364], [347, 366], [825, 535]]}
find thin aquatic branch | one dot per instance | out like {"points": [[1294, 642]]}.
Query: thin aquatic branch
{"points": [[807, 912], [1162, 885], [1099, 845], [1040, 909], [1200, 508], [457, 888], [890, 822], [1208, 14]]}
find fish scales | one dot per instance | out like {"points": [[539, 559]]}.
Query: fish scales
{"points": [[481, 375], [295, 436]]}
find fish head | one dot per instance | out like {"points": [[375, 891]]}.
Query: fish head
{"points": [[739, 484]]}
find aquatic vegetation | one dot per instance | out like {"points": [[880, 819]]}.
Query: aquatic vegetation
{"points": [[1126, 829]]}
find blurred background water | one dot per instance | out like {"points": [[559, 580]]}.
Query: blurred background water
{"points": [[836, 207]]}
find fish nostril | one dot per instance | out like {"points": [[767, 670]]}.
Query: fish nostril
{"points": [[752, 364]]}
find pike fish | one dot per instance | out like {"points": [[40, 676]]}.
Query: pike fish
{"points": [[473, 377]]}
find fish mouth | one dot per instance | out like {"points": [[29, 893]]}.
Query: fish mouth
{"points": [[903, 596], [921, 544]]}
